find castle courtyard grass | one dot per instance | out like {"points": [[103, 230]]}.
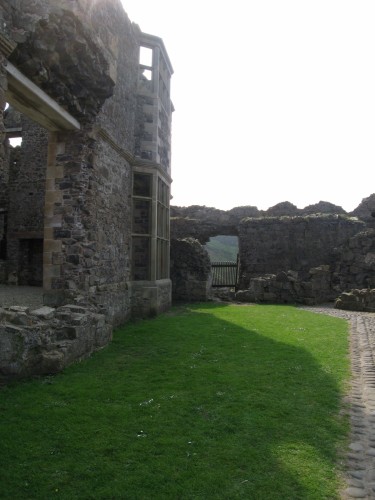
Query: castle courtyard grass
{"points": [[210, 401]]}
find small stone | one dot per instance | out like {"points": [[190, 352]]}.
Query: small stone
{"points": [[20, 309], [356, 446], [356, 492], [357, 474], [44, 312], [356, 483], [21, 319]]}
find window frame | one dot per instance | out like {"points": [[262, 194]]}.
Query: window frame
{"points": [[159, 227]]}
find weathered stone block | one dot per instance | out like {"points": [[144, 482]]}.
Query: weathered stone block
{"points": [[44, 312]]}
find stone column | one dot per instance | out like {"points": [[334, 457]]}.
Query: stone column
{"points": [[67, 217]]}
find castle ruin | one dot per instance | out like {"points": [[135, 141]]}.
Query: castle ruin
{"points": [[84, 201], [85, 210]]}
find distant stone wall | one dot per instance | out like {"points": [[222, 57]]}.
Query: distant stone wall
{"points": [[291, 255], [190, 271], [276, 244], [202, 230], [289, 288], [366, 210], [355, 262]]}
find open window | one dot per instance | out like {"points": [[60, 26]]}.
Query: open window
{"points": [[145, 64]]}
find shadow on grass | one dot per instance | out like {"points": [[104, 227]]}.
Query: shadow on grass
{"points": [[189, 405]]}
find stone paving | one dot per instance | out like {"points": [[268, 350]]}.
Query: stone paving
{"points": [[360, 463]]}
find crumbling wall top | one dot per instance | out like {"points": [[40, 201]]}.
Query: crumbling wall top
{"points": [[58, 50]]}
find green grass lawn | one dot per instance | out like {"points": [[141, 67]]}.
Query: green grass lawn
{"points": [[210, 401]]}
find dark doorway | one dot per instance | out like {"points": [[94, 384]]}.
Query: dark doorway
{"points": [[30, 264]]}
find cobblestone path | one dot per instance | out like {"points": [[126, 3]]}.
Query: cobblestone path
{"points": [[360, 464]]}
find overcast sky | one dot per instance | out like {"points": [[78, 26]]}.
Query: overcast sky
{"points": [[274, 99]]}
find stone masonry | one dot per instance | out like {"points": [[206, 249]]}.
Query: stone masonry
{"points": [[190, 271], [291, 255], [73, 71]]}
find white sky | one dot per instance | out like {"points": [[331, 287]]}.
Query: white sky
{"points": [[275, 99]]}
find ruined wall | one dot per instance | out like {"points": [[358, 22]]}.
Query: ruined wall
{"points": [[44, 340], [88, 201], [357, 300], [289, 288], [354, 262], [85, 56], [190, 271], [202, 230], [287, 254], [90, 254], [120, 40], [366, 210], [89, 210], [58, 49], [203, 222], [275, 244]]}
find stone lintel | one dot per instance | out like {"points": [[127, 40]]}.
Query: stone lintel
{"points": [[13, 132], [36, 104]]}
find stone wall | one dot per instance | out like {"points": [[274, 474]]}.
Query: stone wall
{"points": [[85, 56], [202, 222], [190, 271], [290, 288], [45, 340], [90, 201], [234, 215], [291, 255], [357, 300], [275, 244], [25, 214], [202, 230], [89, 211], [355, 262], [366, 210], [150, 298], [59, 47]]}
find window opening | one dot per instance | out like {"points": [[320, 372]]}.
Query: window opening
{"points": [[162, 245], [142, 185], [145, 61], [147, 74], [15, 141], [145, 56], [150, 227], [141, 226]]}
